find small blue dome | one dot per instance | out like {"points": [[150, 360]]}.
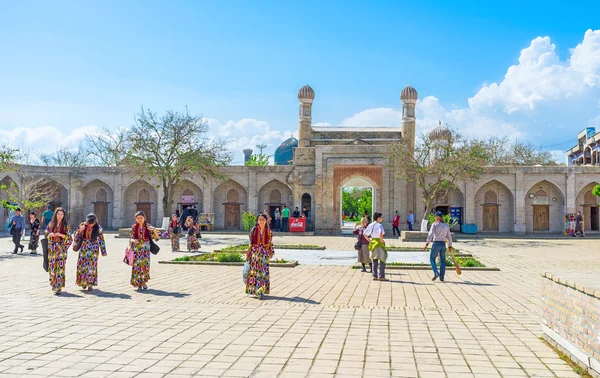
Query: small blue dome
{"points": [[284, 154]]}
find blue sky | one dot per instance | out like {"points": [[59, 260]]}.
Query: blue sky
{"points": [[68, 65]]}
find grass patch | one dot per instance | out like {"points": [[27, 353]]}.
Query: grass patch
{"points": [[465, 262], [224, 257], [576, 368], [229, 257]]}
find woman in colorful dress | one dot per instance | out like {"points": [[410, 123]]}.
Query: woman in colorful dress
{"points": [[174, 231], [92, 243], [363, 252], [34, 236], [259, 254], [141, 232], [59, 241], [193, 244]]}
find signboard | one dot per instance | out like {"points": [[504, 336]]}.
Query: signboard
{"points": [[541, 200], [297, 224], [456, 213], [187, 199], [589, 132]]}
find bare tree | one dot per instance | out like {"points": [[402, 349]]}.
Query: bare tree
{"points": [[500, 151], [72, 158], [435, 166], [106, 148], [172, 145]]}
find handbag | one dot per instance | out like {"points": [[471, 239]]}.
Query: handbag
{"points": [[44, 243], [177, 230], [154, 248], [198, 235], [77, 243], [128, 259], [245, 271], [358, 244]]}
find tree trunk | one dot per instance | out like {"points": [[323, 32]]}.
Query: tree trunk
{"points": [[166, 199]]}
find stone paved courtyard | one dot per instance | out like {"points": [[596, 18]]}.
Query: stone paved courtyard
{"points": [[320, 321]]}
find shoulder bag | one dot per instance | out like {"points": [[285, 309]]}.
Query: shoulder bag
{"points": [[154, 248], [358, 244]]}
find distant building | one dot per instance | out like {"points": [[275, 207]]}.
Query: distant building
{"points": [[587, 150], [284, 154]]}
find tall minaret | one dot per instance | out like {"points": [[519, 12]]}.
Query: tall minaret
{"points": [[306, 95], [409, 96]]}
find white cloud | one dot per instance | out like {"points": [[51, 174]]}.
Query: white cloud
{"points": [[46, 138], [543, 99], [248, 133]]}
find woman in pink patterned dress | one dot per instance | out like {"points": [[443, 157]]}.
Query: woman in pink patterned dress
{"points": [[259, 254], [92, 244], [141, 232], [59, 241]]}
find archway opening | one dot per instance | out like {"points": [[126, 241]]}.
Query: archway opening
{"points": [[357, 199], [307, 210]]}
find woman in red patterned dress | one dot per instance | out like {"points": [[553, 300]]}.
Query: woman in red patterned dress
{"points": [[59, 241], [259, 254], [89, 234], [141, 232]]}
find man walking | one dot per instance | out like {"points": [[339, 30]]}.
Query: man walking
{"points": [[285, 218], [277, 220], [395, 224], [410, 220], [47, 216], [438, 234], [17, 226], [578, 224]]}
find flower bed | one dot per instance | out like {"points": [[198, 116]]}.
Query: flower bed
{"points": [[244, 247], [225, 258]]}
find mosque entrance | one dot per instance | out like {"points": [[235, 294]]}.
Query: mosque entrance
{"points": [[232, 216], [541, 218]]}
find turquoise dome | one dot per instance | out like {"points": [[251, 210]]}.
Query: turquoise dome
{"points": [[284, 154]]}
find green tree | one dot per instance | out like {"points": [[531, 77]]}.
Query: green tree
{"points": [[435, 165], [171, 146], [596, 191], [500, 151], [357, 200], [259, 160]]}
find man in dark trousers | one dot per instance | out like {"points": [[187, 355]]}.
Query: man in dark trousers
{"points": [[578, 224], [17, 226]]}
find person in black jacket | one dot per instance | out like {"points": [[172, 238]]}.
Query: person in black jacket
{"points": [[296, 213], [189, 211]]}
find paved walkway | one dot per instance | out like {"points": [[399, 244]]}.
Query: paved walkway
{"points": [[320, 321]]}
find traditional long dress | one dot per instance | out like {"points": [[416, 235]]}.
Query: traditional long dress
{"points": [[92, 244], [57, 255], [173, 236], [34, 236], [140, 271], [259, 254], [193, 244]]}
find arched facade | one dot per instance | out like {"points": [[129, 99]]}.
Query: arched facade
{"points": [[98, 198], [273, 195], [230, 200], [141, 196], [587, 203], [494, 208], [544, 208], [188, 193]]}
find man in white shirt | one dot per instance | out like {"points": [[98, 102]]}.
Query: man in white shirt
{"points": [[438, 234], [374, 234]]}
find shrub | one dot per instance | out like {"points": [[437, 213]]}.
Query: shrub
{"points": [[248, 220], [451, 222], [229, 257]]}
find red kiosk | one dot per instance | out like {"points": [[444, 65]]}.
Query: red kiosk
{"points": [[298, 224]]}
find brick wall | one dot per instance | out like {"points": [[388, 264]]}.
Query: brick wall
{"points": [[573, 312]]}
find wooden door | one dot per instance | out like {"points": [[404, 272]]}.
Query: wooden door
{"points": [[490, 218], [101, 211], [594, 218], [232, 217], [541, 218], [147, 209]]}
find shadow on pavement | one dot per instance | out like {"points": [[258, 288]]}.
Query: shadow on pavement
{"points": [[162, 293], [407, 282], [469, 283], [19, 255], [291, 299], [67, 295], [106, 294]]}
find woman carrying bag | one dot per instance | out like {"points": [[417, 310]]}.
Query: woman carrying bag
{"points": [[34, 236], [59, 241], [89, 242], [362, 245], [140, 243], [259, 254], [174, 231], [192, 234]]}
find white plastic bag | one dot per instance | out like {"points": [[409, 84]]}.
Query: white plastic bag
{"points": [[246, 271]]}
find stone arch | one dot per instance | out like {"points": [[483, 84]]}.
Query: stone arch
{"points": [[184, 191], [544, 208], [234, 209], [494, 207], [140, 196], [98, 198], [587, 203], [233, 196], [273, 194], [356, 180]]}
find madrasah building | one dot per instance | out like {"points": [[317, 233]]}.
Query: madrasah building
{"points": [[312, 171]]}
